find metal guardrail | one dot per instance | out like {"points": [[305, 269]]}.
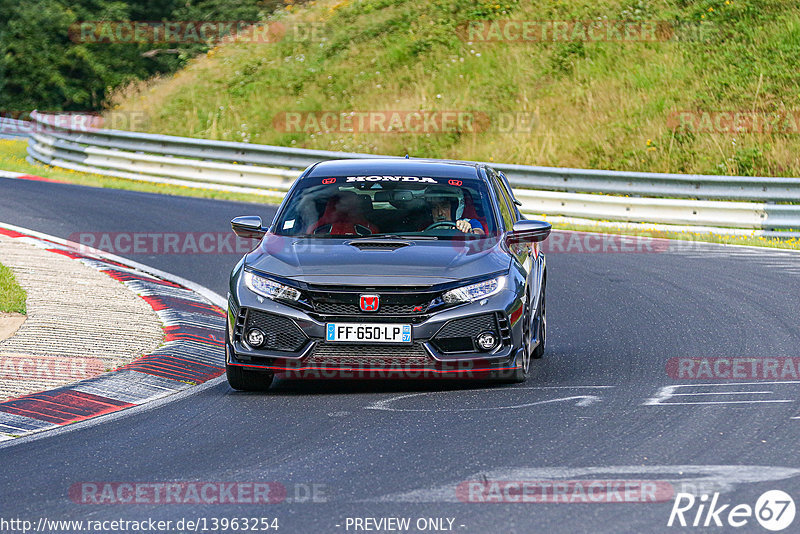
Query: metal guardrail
{"points": [[13, 128], [719, 203]]}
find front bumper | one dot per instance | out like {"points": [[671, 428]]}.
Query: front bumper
{"points": [[305, 353]]}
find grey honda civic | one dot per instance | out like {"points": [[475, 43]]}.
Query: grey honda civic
{"points": [[389, 268]]}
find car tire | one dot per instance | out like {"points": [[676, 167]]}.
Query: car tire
{"points": [[541, 325], [520, 373], [246, 380]]}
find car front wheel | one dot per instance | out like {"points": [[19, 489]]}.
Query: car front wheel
{"points": [[541, 326], [520, 374], [539, 323]]}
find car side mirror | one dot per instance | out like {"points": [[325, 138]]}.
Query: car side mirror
{"points": [[528, 232], [249, 226]]}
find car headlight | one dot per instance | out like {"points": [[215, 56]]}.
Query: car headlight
{"points": [[475, 291], [269, 288]]}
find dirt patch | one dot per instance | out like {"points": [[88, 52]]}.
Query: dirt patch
{"points": [[9, 324]]}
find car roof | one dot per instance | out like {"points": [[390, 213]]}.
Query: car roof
{"points": [[396, 167]]}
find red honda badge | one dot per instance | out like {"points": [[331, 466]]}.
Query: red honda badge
{"points": [[370, 303]]}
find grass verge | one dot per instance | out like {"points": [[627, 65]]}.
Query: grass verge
{"points": [[12, 296], [608, 103]]}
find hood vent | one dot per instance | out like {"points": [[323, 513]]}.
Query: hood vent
{"points": [[378, 244]]}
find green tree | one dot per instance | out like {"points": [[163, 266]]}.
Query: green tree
{"points": [[42, 66]]}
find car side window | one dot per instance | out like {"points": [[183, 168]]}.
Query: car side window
{"points": [[510, 195], [505, 208]]}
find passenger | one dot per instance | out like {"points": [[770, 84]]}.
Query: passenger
{"points": [[343, 216]]}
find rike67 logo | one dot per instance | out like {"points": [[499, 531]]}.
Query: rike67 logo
{"points": [[774, 510]]}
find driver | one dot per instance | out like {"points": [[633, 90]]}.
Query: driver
{"points": [[443, 202]]}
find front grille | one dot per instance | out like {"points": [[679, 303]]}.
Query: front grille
{"points": [[458, 335], [347, 302], [354, 309], [366, 356], [281, 333]]}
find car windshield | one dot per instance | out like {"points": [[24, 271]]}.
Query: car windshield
{"points": [[400, 206]]}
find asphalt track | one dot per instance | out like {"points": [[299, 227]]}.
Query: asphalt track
{"points": [[594, 408]]}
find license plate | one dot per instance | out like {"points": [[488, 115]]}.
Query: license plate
{"points": [[368, 333]]}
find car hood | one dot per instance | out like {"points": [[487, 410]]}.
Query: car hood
{"points": [[334, 261]]}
